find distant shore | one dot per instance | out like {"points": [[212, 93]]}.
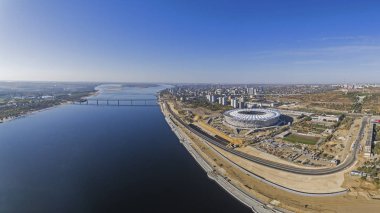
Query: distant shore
{"points": [[33, 111]]}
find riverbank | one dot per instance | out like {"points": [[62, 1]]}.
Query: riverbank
{"points": [[102, 157], [33, 111], [253, 203], [270, 194]]}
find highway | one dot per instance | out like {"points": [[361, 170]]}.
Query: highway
{"points": [[348, 162]]}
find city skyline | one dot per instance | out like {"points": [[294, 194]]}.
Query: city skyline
{"points": [[200, 42]]}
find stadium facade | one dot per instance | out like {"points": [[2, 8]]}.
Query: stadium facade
{"points": [[251, 118]]}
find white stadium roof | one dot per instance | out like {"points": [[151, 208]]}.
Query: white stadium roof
{"points": [[252, 114]]}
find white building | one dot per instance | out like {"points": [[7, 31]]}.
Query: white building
{"points": [[218, 91], [234, 103], [224, 101], [251, 91], [212, 99], [326, 118], [259, 104], [208, 97], [251, 118]]}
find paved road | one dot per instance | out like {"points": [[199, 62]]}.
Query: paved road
{"points": [[254, 204], [350, 160]]}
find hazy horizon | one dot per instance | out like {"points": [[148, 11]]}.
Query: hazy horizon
{"points": [[179, 83], [246, 42]]}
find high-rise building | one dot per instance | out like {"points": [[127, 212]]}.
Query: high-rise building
{"points": [[212, 98], [208, 97], [234, 103], [251, 91], [218, 91], [241, 104], [224, 101]]}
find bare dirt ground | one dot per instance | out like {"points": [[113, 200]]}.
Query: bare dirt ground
{"points": [[304, 183], [253, 151], [327, 102], [356, 201], [331, 98], [343, 138], [352, 202]]}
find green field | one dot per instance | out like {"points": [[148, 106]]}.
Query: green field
{"points": [[294, 138]]}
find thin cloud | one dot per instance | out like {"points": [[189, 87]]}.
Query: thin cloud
{"points": [[310, 62], [345, 38], [324, 51], [371, 64]]}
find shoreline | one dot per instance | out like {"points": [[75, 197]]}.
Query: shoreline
{"points": [[274, 184], [254, 204], [29, 113], [282, 196], [242, 197]]}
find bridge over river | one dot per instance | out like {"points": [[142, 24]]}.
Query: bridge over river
{"points": [[118, 102]]}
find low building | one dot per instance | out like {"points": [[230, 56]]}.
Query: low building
{"points": [[358, 173], [260, 104], [326, 118], [283, 134]]}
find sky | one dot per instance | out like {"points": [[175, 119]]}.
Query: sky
{"points": [[191, 41]]}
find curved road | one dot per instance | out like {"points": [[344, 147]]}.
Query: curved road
{"points": [[349, 161]]}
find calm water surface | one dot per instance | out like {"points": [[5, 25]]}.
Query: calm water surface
{"points": [[77, 158]]}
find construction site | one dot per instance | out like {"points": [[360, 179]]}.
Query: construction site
{"points": [[308, 143]]}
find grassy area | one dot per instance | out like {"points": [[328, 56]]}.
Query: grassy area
{"points": [[294, 138]]}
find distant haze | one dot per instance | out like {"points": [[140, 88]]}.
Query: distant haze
{"points": [[190, 41]]}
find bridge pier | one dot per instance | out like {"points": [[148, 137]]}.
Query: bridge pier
{"points": [[118, 102]]}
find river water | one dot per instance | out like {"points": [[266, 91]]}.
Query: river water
{"points": [[86, 158]]}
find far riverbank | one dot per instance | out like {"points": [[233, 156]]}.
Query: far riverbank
{"points": [[52, 105]]}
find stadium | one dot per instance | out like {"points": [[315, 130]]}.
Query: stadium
{"points": [[251, 118]]}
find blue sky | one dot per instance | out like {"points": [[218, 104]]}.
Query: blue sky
{"points": [[215, 41]]}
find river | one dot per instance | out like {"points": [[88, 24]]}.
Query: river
{"points": [[88, 158]]}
